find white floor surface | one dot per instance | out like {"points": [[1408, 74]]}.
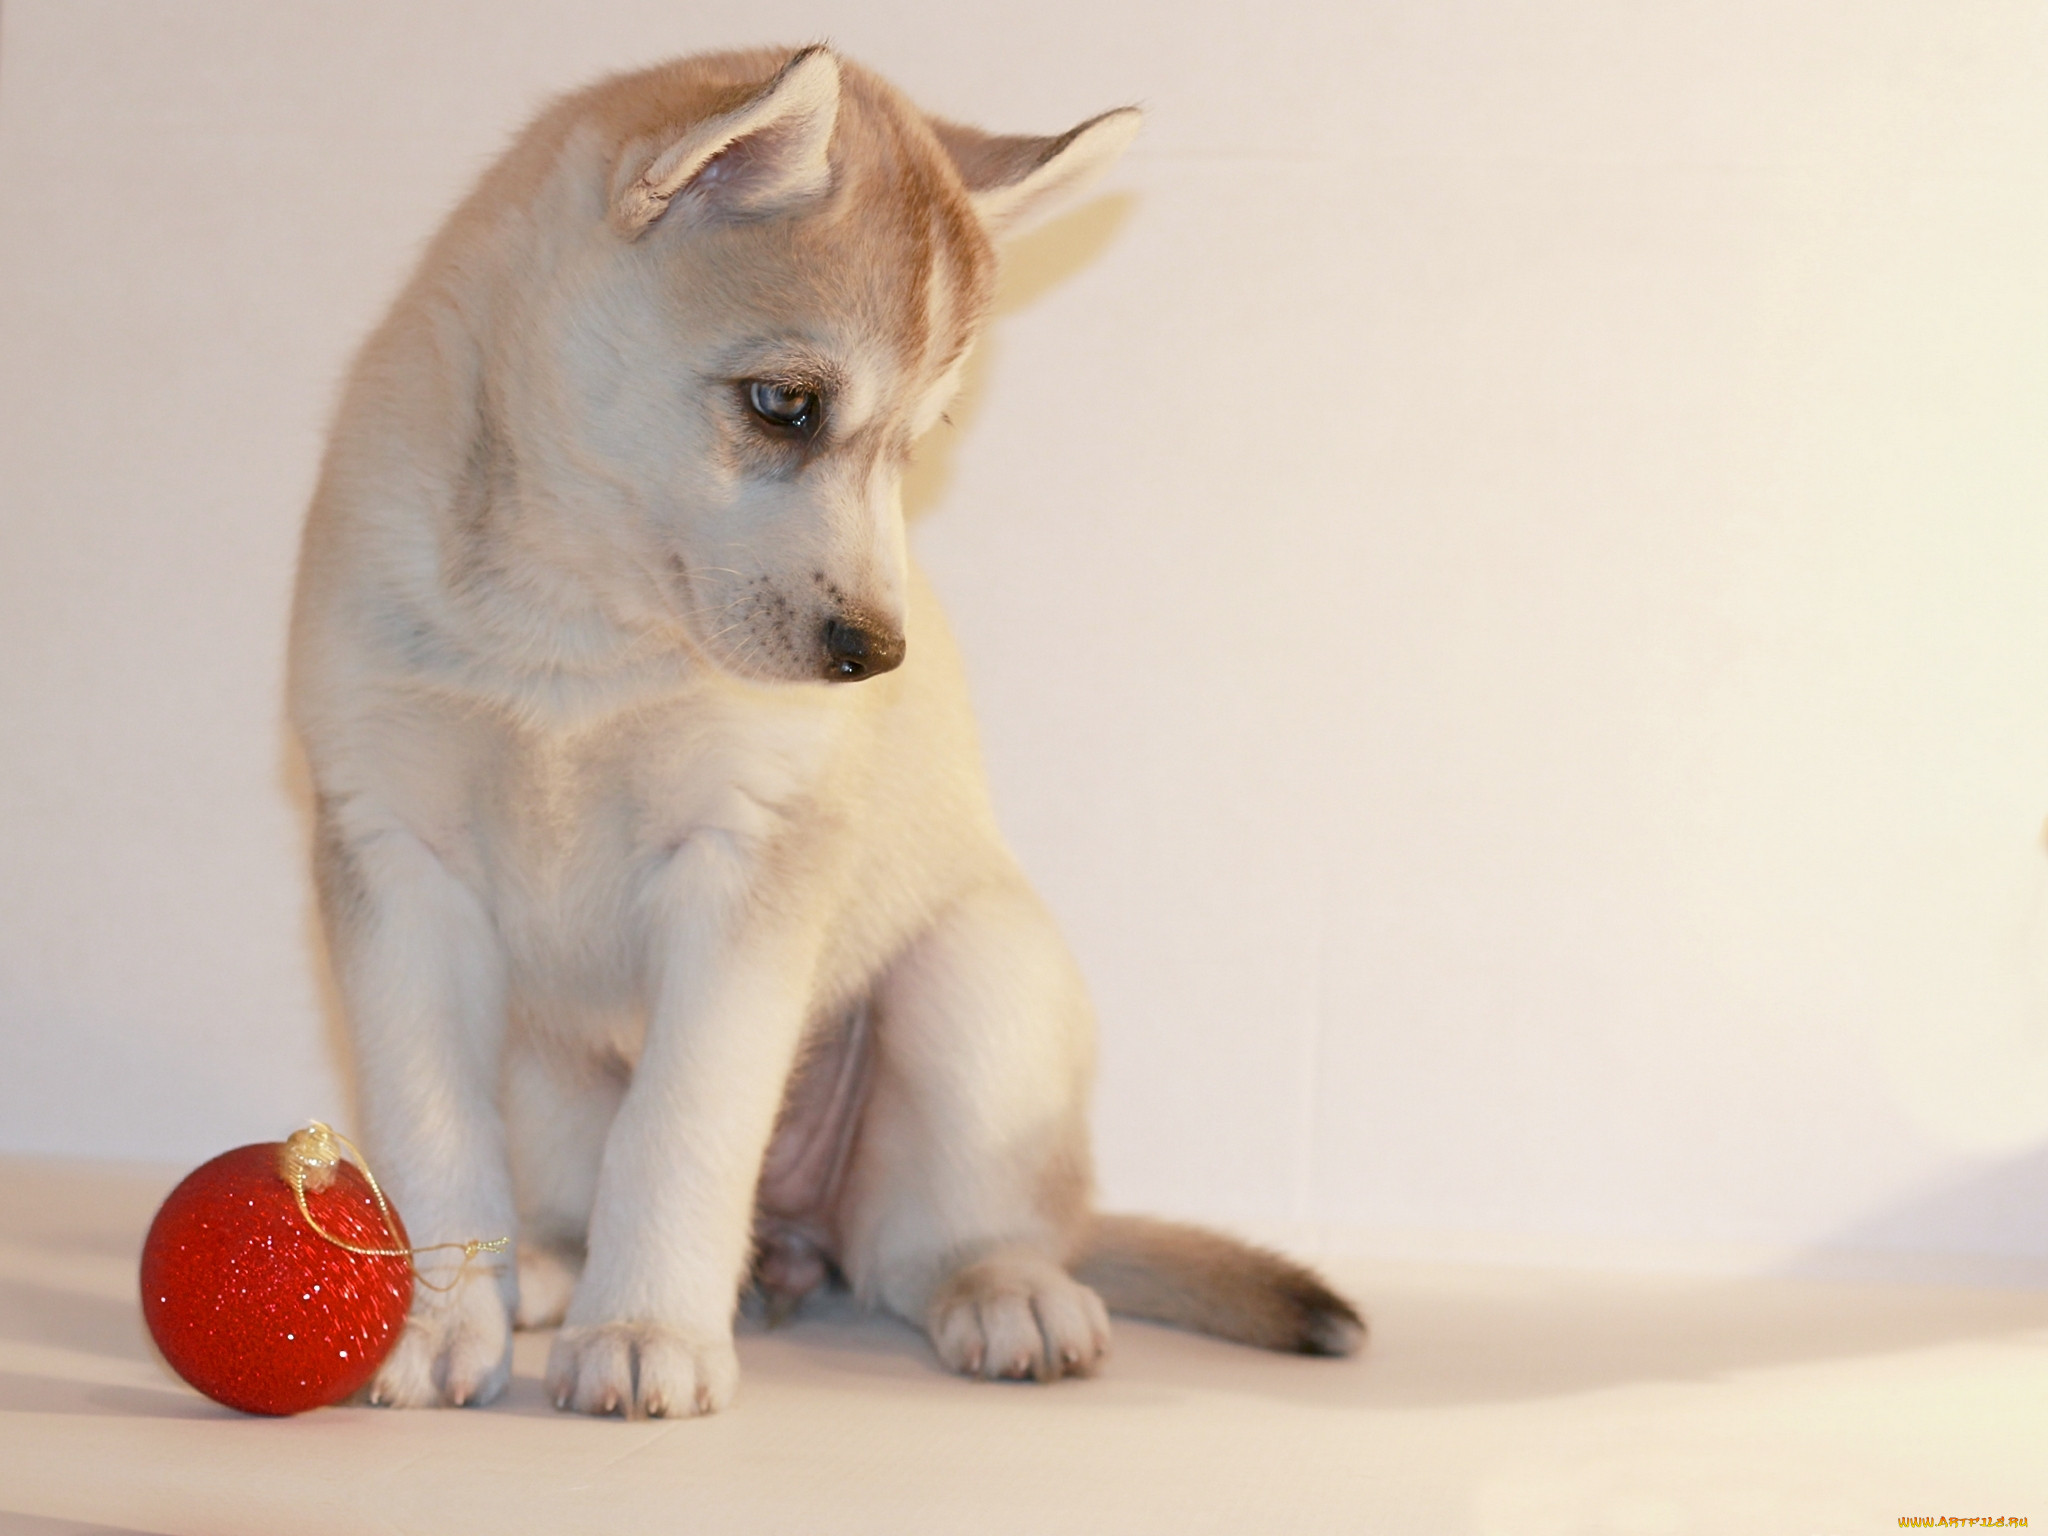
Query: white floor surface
{"points": [[1491, 1400]]}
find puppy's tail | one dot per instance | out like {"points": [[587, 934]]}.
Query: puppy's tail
{"points": [[1191, 1278]]}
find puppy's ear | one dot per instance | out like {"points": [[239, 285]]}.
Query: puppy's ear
{"points": [[761, 159], [1016, 180]]}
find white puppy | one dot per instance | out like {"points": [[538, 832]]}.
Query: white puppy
{"points": [[660, 944]]}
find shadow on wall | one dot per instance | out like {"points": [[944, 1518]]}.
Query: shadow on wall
{"points": [[1033, 266]]}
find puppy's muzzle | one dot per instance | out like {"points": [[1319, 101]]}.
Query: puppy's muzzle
{"points": [[856, 647]]}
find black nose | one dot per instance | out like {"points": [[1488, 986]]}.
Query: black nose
{"points": [[854, 650]]}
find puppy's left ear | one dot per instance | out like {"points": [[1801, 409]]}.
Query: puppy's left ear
{"points": [[763, 158], [1016, 180]]}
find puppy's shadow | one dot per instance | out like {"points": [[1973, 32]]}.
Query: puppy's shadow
{"points": [[1036, 263], [1033, 265], [833, 1334]]}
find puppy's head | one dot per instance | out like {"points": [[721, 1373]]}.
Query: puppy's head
{"points": [[788, 270]]}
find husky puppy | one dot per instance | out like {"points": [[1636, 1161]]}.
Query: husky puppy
{"points": [[670, 920]]}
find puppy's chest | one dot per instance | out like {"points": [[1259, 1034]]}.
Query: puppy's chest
{"points": [[569, 828]]}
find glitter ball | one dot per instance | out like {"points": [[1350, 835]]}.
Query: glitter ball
{"points": [[256, 1309]]}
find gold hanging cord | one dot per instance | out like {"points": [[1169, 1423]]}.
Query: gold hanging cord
{"points": [[310, 1157]]}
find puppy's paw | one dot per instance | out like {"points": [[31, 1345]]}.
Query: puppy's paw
{"points": [[547, 1279], [456, 1349], [1018, 1317], [641, 1370]]}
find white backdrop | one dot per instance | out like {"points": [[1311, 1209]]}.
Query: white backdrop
{"points": [[1502, 558]]}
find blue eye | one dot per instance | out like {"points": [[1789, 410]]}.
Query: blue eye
{"points": [[788, 408]]}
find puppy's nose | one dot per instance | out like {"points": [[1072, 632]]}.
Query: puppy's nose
{"points": [[855, 649]]}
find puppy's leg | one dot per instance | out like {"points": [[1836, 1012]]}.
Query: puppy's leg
{"points": [[422, 977], [559, 1108], [970, 1184], [650, 1328]]}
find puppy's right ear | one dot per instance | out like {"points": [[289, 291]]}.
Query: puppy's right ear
{"points": [[753, 162]]}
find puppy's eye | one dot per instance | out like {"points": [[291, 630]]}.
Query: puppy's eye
{"points": [[794, 409]]}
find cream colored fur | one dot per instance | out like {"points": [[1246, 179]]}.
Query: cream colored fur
{"points": [[604, 856]]}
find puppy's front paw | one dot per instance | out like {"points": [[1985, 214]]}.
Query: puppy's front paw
{"points": [[1018, 1317], [456, 1348], [641, 1370]]}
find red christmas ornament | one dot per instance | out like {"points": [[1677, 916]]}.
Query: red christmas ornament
{"points": [[252, 1285]]}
